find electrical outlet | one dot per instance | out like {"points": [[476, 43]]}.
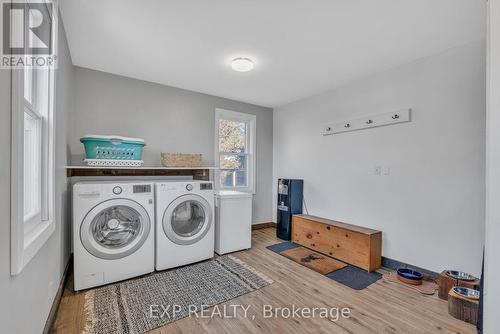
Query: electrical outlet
{"points": [[377, 170]]}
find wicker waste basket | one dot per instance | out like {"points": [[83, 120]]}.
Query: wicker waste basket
{"points": [[180, 160]]}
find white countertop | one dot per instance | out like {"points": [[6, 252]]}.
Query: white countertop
{"points": [[232, 194]]}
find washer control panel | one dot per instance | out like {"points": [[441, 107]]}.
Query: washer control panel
{"points": [[117, 190], [91, 190], [189, 187], [142, 188], [206, 186]]}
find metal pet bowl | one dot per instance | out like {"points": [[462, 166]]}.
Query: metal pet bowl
{"points": [[460, 275], [466, 292]]}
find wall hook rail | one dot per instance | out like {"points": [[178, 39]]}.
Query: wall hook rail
{"points": [[368, 122]]}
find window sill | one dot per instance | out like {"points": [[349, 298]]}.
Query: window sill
{"points": [[33, 242]]}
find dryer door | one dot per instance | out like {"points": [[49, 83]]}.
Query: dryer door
{"points": [[187, 219], [115, 228]]}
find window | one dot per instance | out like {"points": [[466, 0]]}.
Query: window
{"points": [[36, 118], [32, 164], [235, 150]]}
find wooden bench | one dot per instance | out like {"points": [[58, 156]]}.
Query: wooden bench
{"points": [[359, 246]]}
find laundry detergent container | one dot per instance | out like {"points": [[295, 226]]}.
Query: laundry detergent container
{"points": [[112, 147]]}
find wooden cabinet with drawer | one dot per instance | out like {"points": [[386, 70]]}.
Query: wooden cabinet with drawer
{"points": [[353, 244]]}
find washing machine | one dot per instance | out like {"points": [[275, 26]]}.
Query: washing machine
{"points": [[184, 223], [113, 232]]}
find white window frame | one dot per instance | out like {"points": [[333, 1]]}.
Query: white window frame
{"points": [[251, 121], [28, 237]]}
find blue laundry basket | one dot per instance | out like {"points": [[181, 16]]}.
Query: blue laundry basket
{"points": [[112, 147]]}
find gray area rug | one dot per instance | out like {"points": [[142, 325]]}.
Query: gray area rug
{"points": [[140, 305]]}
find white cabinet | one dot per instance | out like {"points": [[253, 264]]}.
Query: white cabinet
{"points": [[233, 221]]}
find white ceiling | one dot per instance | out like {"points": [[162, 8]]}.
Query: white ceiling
{"points": [[300, 47]]}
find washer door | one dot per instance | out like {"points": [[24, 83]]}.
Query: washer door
{"points": [[115, 229], [187, 219]]}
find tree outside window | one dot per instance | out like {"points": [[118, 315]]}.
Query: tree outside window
{"points": [[234, 131]]}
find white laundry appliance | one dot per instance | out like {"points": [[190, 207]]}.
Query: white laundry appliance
{"points": [[233, 221], [184, 223], [113, 231]]}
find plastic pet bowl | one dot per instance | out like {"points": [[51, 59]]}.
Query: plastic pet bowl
{"points": [[409, 276]]}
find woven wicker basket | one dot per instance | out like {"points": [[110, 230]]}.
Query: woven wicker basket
{"points": [[180, 160]]}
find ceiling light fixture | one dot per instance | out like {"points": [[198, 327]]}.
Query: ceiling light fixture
{"points": [[242, 64]]}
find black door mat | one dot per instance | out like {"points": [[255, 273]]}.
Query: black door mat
{"points": [[351, 276], [354, 277], [282, 246]]}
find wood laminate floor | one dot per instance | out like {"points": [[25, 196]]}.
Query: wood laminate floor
{"points": [[383, 307]]}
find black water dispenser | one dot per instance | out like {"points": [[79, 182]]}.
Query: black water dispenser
{"points": [[290, 198]]}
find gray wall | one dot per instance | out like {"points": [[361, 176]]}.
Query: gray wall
{"points": [[431, 205], [169, 119], [492, 265], [26, 299]]}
